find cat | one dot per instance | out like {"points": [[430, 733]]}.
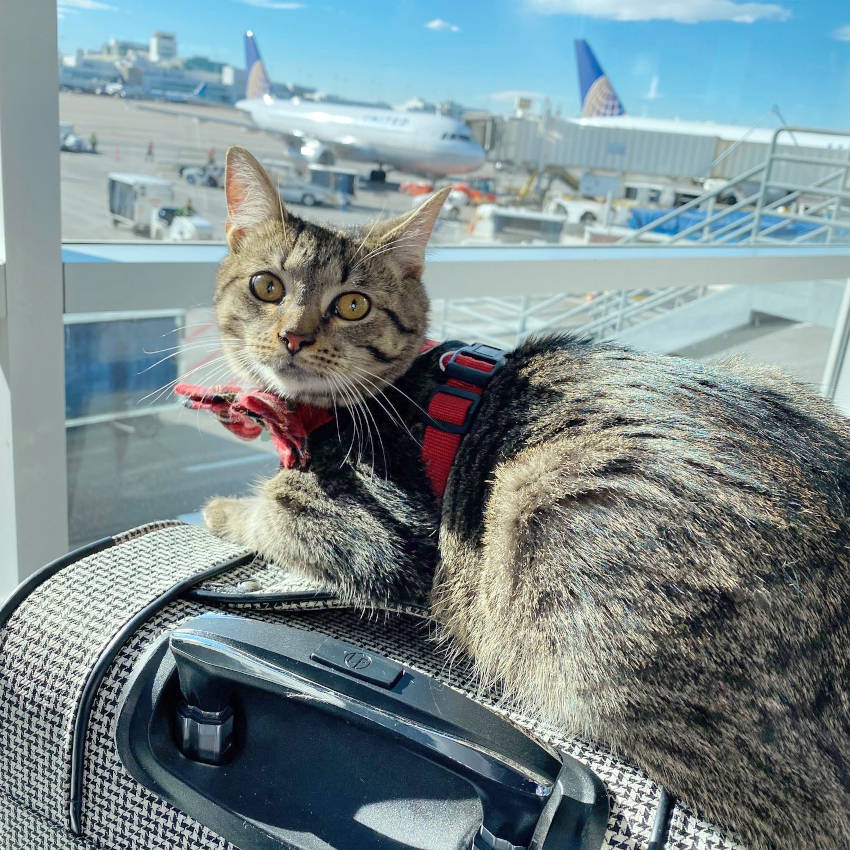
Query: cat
{"points": [[649, 552]]}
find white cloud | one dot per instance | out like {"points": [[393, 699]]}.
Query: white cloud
{"points": [[64, 6], [272, 4], [682, 11], [842, 33], [440, 24]]}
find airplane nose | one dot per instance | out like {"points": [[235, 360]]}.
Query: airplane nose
{"points": [[295, 342]]}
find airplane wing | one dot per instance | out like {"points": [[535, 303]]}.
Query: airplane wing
{"points": [[290, 139], [342, 146], [198, 116]]}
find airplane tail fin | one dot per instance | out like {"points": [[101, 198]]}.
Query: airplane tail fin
{"points": [[257, 83], [598, 97]]}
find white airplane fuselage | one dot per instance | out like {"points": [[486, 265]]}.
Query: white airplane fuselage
{"points": [[424, 143]]}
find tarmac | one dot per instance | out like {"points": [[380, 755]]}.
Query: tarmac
{"points": [[124, 130]]}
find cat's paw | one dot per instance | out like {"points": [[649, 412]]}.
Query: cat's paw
{"points": [[222, 516]]}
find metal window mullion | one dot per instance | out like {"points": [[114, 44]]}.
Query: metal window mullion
{"points": [[836, 376], [33, 477]]}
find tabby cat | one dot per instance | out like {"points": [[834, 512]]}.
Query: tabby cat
{"points": [[650, 552]]}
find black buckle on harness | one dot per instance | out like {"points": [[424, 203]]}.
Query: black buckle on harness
{"points": [[468, 375], [450, 427], [479, 351]]}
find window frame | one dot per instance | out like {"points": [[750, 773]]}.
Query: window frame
{"points": [[33, 474]]}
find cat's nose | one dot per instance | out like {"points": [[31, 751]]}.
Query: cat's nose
{"points": [[295, 342]]}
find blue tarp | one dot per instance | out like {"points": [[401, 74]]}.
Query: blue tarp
{"points": [[790, 231]]}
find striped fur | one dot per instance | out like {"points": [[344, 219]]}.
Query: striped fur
{"points": [[651, 552]]}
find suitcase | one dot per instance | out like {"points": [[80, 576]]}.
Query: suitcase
{"points": [[165, 690]]}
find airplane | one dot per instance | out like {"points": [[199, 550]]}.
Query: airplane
{"points": [[601, 107], [197, 95], [422, 143]]}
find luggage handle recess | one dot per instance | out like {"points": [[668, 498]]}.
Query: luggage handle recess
{"points": [[529, 797]]}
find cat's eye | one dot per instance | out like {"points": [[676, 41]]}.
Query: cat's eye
{"points": [[266, 287], [351, 306]]}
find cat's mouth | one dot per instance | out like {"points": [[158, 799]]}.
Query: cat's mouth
{"points": [[296, 381]]}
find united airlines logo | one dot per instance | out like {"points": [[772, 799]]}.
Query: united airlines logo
{"points": [[601, 99], [258, 83]]}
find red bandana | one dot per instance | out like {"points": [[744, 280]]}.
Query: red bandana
{"points": [[247, 413], [450, 411]]}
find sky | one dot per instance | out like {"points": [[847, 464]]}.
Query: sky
{"points": [[728, 61]]}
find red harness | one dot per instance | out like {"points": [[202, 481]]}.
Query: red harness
{"points": [[451, 410], [453, 404]]}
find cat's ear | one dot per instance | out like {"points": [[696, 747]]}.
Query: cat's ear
{"points": [[250, 195], [407, 236]]}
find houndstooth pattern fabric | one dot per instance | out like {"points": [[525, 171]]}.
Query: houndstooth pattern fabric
{"points": [[50, 642], [148, 527], [117, 811], [54, 638], [261, 578], [688, 831], [23, 829]]}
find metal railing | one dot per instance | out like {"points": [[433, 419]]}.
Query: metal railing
{"points": [[779, 211], [600, 316]]}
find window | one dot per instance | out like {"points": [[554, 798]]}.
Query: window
{"points": [[147, 114], [641, 204]]}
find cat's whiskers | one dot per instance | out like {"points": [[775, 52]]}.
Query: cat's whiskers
{"points": [[184, 346], [210, 346], [336, 412], [354, 417], [226, 345], [363, 412], [397, 418], [371, 415], [163, 390], [392, 386], [333, 380], [393, 416], [210, 324]]}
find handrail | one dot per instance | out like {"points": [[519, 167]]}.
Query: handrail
{"points": [[751, 226], [696, 202]]}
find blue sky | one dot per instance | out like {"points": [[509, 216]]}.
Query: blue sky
{"points": [[721, 60]]}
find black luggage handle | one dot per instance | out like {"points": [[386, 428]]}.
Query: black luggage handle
{"points": [[235, 691]]}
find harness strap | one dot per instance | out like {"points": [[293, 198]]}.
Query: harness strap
{"points": [[452, 407]]}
